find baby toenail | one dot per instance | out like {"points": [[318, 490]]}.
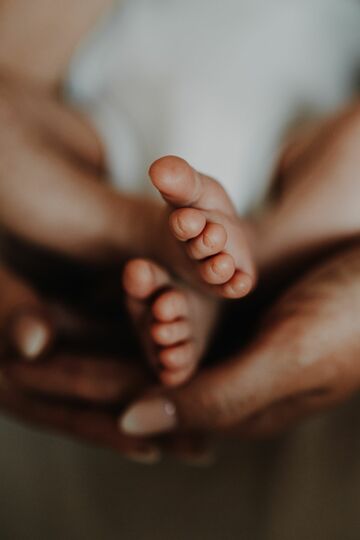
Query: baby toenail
{"points": [[219, 266], [208, 240], [181, 225]]}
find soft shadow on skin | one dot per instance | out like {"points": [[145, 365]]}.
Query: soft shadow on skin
{"points": [[241, 319], [86, 296]]}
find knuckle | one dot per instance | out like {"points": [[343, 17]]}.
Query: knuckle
{"points": [[178, 223], [215, 411], [210, 238]]}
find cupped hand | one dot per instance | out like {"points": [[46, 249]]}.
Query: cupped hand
{"points": [[74, 393], [53, 199], [304, 359], [53, 189]]}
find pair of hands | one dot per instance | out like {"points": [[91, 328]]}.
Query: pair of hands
{"points": [[302, 359]]}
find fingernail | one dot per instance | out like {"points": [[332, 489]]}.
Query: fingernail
{"points": [[31, 335], [148, 417], [149, 455]]}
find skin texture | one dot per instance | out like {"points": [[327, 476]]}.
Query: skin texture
{"points": [[318, 186]]}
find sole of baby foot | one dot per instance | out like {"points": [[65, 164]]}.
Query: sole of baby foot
{"points": [[203, 220], [174, 323]]}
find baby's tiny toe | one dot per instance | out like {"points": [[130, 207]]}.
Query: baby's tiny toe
{"points": [[187, 223], [239, 286], [178, 357], [132, 280], [176, 378], [170, 305], [142, 277], [211, 241], [166, 334], [218, 269]]}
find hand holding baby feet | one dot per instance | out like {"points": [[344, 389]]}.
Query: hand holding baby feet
{"points": [[174, 322], [204, 220]]}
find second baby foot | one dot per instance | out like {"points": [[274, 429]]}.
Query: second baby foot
{"points": [[174, 323], [204, 220]]}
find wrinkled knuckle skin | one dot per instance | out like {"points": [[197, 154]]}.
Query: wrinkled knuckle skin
{"points": [[210, 240], [213, 413]]}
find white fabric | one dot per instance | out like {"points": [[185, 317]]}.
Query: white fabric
{"points": [[214, 82]]}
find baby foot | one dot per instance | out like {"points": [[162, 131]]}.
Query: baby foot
{"points": [[174, 322], [204, 219]]}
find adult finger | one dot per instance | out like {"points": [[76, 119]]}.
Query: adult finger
{"points": [[89, 425], [91, 379], [102, 381], [62, 205], [25, 324]]}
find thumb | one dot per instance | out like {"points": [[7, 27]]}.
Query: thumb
{"points": [[218, 399]]}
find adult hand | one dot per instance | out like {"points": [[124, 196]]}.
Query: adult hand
{"points": [[52, 196], [76, 396], [53, 191], [304, 359], [71, 393]]}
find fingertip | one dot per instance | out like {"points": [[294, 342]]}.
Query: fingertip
{"points": [[31, 334], [149, 416]]}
